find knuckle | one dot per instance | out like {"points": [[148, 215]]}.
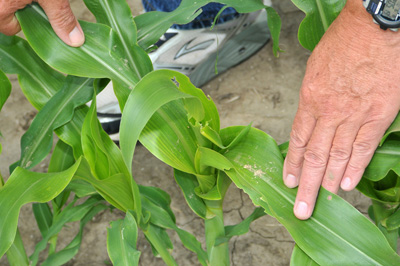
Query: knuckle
{"points": [[339, 154], [362, 148], [309, 190], [294, 164], [297, 139], [315, 159], [355, 168]]}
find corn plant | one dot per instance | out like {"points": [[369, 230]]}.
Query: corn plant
{"points": [[179, 125]]}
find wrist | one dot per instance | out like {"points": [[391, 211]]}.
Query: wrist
{"points": [[360, 26]]}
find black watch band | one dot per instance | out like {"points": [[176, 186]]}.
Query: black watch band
{"points": [[386, 13]]}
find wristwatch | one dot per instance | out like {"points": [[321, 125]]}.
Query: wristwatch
{"points": [[386, 13]]}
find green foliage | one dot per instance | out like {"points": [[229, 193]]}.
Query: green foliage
{"points": [[24, 187], [178, 124], [319, 16], [121, 241]]}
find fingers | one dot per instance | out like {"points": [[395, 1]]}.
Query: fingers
{"points": [[63, 21], [302, 129], [339, 156], [314, 166], [9, 24], [363, 149]]}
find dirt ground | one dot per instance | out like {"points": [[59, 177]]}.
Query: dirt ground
{"points": [[263, 90]]}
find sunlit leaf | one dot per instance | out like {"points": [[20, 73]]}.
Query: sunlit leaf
{"points": [[329, 234], [299, 258], [152, 92], [23, 187], [38, 81], [36, 143]]}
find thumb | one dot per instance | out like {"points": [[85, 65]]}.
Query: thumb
{"points": [[63, 21]]}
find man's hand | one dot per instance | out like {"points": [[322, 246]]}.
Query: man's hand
{"points": [[349, 97], [60, 16]]}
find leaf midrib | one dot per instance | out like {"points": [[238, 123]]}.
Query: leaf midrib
{"points": [[49, 125], [116, 27], [273, 185], [323, 16], [96, 58], [49, 94]]}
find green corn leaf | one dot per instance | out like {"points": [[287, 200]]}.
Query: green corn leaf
{"points": [[81, 188], [329, 235], [151, 93], [241, 228], [152, 25], [101, 56], [43, 216], [299, 258], [5, 88], [274, 25], [158, 197], [117, 15], [121, 241], [36, 143], [38, 81], [214, 137], [372, 189], [107, 165], [1, 177], [284, 147], [188, 183], [218, 191], [393, 221], [70, 213], [102, 153], [16, 254], [385, 159], [161, 218], [66, 254], [160, 243], [24, 187], [115, 189], [62, 157], [394, 127], [319, 15]]}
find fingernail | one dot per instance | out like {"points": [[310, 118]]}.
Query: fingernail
{"points": [[76, 37], [346, 183], [301, 210], [291, 181]]}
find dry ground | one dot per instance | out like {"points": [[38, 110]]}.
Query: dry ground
{"points": [[263, 90]]}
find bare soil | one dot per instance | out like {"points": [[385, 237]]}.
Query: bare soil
{"points": [[262, 90]]}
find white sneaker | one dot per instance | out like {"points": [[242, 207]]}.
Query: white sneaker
{"points": [[194, 53]]}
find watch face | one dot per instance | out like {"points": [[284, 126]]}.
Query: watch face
{"points": [[391, 9]]}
